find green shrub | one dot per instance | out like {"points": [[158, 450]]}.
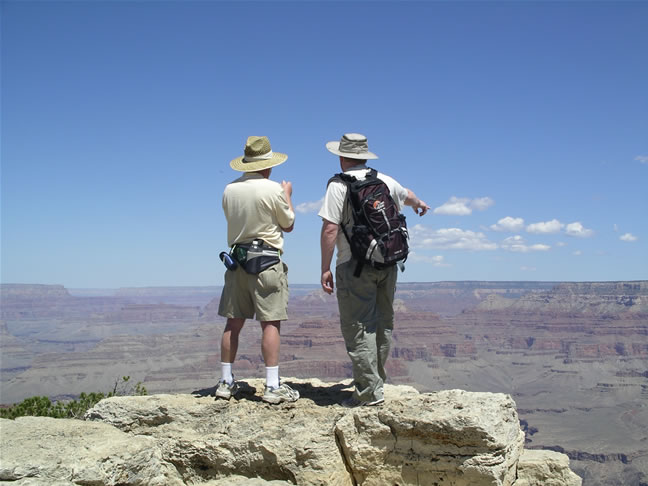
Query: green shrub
{"points": [[43, 406]]}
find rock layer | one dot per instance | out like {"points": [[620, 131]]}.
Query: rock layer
{"points": [[548, 468], [450, 437]]}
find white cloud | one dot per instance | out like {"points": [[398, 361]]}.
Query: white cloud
{"points": [[616, 228], [517, 244], [309, 207], [577, 253], [463, 206], [455, 206], [481, 203], [628, 237], [561, 244], [553, 226], [539, 247], [437, 260], [578, 230], [528, 269], [508, 224], [642, 158], [449, 239]]}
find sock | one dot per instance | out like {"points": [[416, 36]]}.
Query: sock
{"points": [[226, 373], [272, 376]]}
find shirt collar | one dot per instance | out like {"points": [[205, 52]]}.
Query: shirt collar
{"points": [[357, 167]]}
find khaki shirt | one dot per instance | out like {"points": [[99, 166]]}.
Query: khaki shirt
{"points": [[256, 207]]}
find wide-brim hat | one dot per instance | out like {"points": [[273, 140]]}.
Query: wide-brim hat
{"points": [[258, 155], [353, 146]]}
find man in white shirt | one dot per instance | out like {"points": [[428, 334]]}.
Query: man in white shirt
{"points": [[258, 211], [366, 301]]}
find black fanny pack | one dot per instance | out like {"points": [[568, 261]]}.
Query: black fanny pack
{"points": [[255, 257]]}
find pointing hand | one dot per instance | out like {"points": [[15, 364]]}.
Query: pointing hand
{"points": [[422, 207], [287, 187]]}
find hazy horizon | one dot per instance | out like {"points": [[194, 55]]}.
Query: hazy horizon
{"points": [[317, 286]]}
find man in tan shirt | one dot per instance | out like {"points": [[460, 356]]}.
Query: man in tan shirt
{"points": [[258, 211]]}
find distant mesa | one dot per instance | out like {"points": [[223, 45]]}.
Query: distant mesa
{"points": [[33, 291], [583, 298], [164, 291]]}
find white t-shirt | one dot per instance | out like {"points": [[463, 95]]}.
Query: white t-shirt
{"points": [[256, 207], [334, 202]]}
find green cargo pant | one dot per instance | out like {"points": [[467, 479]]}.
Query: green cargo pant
{"points": [[367, 320]]}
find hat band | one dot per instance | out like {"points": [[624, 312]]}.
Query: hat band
{"points": [[353, 147], [256, 158]]}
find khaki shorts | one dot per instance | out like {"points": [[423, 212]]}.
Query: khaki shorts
{"points": [[264, 295]]}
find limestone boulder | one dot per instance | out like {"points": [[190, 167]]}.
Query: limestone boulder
{"points": [[545, 468], [447, 438], [47, 451], [206, 438]]}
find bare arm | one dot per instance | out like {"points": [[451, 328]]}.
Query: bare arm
{"points": [[416, 203], [287, 188], [327, 244]]}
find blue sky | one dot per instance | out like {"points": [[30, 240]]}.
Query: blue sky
{"points": [[522, 124]]}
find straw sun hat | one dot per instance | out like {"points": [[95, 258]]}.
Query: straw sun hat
{"points": [[258, 156], [353, 146]]}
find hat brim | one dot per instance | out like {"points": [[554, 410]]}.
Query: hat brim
{"points": [[242, 166], [334, 148]]}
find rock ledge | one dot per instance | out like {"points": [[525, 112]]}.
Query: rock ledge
{"points": [[450, 438]]}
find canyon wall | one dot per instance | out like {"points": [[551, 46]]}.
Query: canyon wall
{"points": [[572, 355]]}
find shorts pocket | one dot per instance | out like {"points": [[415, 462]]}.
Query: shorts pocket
{"points": [[269, 281]]}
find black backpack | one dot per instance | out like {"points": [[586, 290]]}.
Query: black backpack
{"points": [[379, 234]]}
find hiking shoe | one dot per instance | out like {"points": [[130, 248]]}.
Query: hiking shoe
{"points": [[225, 390], [352, 402], [283, 393]]}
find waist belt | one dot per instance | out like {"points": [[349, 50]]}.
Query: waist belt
{"points": [[255, 257]]}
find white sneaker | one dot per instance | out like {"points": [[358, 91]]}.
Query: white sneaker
{"points": [[225, 390], [283, 393]]}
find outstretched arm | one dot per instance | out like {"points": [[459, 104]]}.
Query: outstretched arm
{"points": [[416, 203], [327, 245]]}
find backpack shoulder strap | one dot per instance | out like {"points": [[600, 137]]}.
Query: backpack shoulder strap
{"points": [[349, 181], [371, 179], [342, 177], [335, 178]]}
